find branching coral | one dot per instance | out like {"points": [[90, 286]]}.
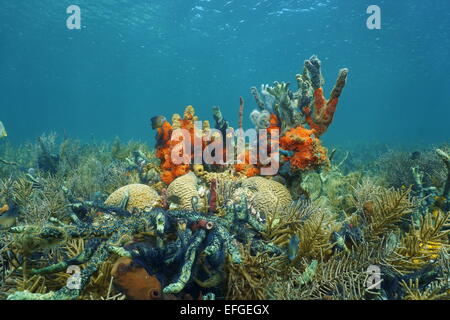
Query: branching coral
{"points": [[283, 224], [390, 208], [383, 209], [422, 245], [341, 277], [248, 280], [414, 292]]}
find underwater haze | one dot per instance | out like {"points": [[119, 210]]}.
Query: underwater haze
{"points": [[134, 59], [125, 173]]}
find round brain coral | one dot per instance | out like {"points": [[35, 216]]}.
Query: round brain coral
{"points": [[269, 195], [141, 197], [182, 190]]}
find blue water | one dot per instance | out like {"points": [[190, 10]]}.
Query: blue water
{"points": [[134, 59]]}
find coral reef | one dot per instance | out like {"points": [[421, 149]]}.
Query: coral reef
{"points": [[244, 248], [119, 221]]}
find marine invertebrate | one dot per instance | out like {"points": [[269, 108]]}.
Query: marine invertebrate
{"points": [[219, 232], [300, 147], [390, 208], [315, 234], [422, 245], [323, 111], [446, 159], [215, 236], [396, 166], [267, 196], [8, 216], [166, 146], [199, 170], [383, 209], [248, 280], [261, 119], [306, 105], [140, 163], [281, 225], [415, 291], [169, 171], [338, 278], [4, 208], [182, 190], [121, 151], [47, 161], [221, 124], [305, 151], [284, 107], [134, 281], [213, 196], [138, 197], [245, 165], [259, 102]]}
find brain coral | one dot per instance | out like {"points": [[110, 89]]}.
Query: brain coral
{"points": [[182, 189], [268, 195], [141, 197]]}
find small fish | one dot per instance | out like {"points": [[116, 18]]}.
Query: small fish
{"points": [[415, 155], [4, 209], [3, 132], [293, 247], [8, 216], [157, 121]]}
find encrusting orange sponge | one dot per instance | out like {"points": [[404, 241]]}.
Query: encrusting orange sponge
{"points": [[308, 152]]}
